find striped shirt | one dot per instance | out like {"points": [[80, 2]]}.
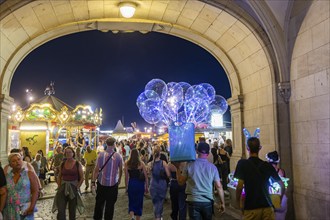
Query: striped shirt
{"points": [[109, 176]]}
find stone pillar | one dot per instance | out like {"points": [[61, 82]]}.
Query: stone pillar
{"points": [[5, 104], [284, 141], [236, 109]]}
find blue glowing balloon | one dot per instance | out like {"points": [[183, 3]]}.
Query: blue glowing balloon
{"points": [[141, 98], [219, 105], [185, 86], [174, 98], [151, 94], [168, 115], [190, 109], [157, 85], [210, 91], [200, 92], [202, 111], [190, 93], [196, 92], [150, 110], [178, 103]]}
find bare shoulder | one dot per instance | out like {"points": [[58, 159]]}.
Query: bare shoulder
{"points": [[29, 167]]}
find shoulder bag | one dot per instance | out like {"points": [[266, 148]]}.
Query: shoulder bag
{"points": [[104, 165]]}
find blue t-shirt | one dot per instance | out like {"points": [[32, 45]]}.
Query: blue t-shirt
{"points": [[200, 177]]}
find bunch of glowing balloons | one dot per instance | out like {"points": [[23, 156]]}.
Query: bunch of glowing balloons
{"points": [[177, 103]]}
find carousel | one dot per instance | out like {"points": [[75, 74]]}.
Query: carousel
{"points": [[43, 123]]}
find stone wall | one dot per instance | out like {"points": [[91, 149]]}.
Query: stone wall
{"points": [[310, 112]]}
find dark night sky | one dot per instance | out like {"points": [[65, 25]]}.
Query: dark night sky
{"points": [[110, 70]]}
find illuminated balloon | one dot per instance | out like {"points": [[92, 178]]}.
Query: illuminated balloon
{"points": [[202, 112], [141, 98], [150, 111], [219, 104], [200, 92], [195, 91], [210, 91], [190, 109], [189, 95], [178, 103], [151, 94], [169, 116], [174, 98], [157, 85], [185, 86]]}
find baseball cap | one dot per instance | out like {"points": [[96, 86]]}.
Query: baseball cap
{"points": [[203, 148]]}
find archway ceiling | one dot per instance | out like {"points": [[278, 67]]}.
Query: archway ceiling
{"points": [[233, 43]]}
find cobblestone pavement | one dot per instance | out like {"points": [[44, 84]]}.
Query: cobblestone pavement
{"points": [[44, 206]]}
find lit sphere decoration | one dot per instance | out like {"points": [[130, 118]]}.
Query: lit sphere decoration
{"points": [[164, 104]]}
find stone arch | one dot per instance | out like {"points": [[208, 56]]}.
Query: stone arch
{"points": [[234, 40]]}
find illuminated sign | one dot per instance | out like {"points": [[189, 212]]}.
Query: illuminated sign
{"points": [[216, 120]]}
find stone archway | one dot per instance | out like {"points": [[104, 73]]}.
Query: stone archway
{"points": [[237, 44]]}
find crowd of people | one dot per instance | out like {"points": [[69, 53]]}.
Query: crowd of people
{"points": [[147, 169]]}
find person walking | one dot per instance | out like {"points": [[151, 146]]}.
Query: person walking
{"points": [[273, 158], [158, 182], [178, 196], [108, 172], [81, 140], [136, 184], [57, 160], [223, 163], [22, 188], [90, 158], [254, 173], [69, 180], [229, 149], [43, 169], [199, 176], [127, 150]]}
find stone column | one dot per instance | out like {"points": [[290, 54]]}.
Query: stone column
{"points": [[5, 104], [284, 141], [236, 109]]}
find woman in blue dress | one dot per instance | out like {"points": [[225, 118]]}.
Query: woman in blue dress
{"points": [[158, 184], [136, 183]]}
